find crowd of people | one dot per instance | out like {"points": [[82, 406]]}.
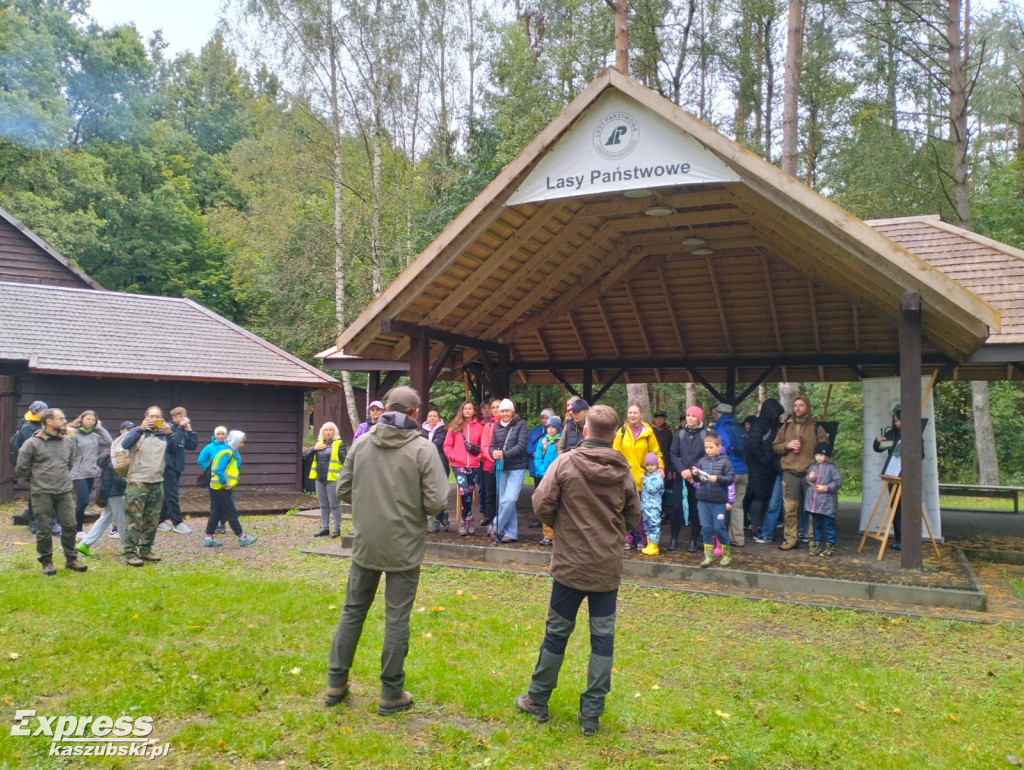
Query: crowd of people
{"points": [[134, 478]]}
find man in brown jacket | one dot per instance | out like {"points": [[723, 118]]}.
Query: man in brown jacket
{"points": [[795, 442], [590, 499]]}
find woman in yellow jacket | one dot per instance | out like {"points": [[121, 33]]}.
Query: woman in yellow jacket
{"points": [[634, 440]]}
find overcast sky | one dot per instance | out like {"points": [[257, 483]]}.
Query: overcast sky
{"points": [[186, 24]]}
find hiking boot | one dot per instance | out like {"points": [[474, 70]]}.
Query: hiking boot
{"points": [[788, 546], [165, 526], [150, 557], [133, 560], [209, 542], [443, 520], [528, 705], [434, 526], [85, 550], [402, 703], [335, 696], [535, 524], [322, 533], [49, 569], [588, 725], [76, 566], [828, 551], [246, 540]]}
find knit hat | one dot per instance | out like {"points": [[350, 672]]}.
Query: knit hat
{"points": [[724, 408], [823, 449], [547, 413], [897, 409], [651, 458], [506, 403], [579, 405], [695, 411], [37, 406], [404, 398], [554, 422]]}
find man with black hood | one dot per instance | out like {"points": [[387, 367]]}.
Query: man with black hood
{"points": [[764, 472], [393, 478]]}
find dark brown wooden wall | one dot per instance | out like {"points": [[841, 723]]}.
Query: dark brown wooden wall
{"points": [[23, 261], [271, 417], [10, 421], [330, 406]]}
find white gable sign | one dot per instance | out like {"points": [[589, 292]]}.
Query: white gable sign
{"points": [[618, 144]]}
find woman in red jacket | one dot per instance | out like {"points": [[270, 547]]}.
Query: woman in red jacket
{"points": [[462, 447]]}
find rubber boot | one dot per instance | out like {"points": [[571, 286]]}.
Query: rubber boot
{"points": [[651, 549], [718, 546], [693, 545], [709, 552], [726, 556], [673, 543]]}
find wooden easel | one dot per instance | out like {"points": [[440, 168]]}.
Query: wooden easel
{"points": [[891, 491]]}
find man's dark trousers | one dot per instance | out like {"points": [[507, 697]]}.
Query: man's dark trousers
{"points": [[171, 508]]}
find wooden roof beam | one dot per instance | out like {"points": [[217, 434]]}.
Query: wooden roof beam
{"points": [[641, 324], [670, 308], [716, 291], [608, 328], [772, 310], [578, 333]]}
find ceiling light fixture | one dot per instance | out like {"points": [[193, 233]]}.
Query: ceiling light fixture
{"points": [[702, 252], [641, 193], [659, 211], [693, 241]]}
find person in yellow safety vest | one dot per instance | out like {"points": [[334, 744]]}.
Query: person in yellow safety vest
{"points": [[328, 456], [224, 478]]}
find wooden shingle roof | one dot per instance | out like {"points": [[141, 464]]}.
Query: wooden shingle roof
{"points": [[992, 270], [594, 280], [61, 330]]}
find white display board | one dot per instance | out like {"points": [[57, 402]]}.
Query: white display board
{"points": [[880, 396], [618, 144]]}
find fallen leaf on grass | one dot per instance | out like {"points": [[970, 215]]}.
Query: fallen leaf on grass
{"points": [[295, 671], [954, 718], [332, 607], [1013, 760], [135, 616], [458, 593], [898, 712], [720, 758], [636, 695], [655, 687], [13, 655], [222, 743], [723, 715], [17, 542], [860, 707], [427, 635], [437, 609]]}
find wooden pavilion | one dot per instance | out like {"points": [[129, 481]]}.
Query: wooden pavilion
{"points": [[631, 241]]}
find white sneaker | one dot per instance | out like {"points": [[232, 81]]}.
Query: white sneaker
{"points": [[114, 533], [182, 528], [165, 526]]}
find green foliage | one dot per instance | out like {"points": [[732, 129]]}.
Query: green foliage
{"points": [[998, 205]]}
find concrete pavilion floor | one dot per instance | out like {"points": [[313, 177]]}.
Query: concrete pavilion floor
{"points": [[969, 580]]}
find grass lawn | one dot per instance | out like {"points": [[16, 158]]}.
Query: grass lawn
{"points": [[229, 658]]}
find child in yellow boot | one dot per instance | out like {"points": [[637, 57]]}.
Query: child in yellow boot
{"points": [[650, 503], [714, 474]]}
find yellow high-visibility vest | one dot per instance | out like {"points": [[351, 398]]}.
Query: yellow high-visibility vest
{"points": [[230, 472], [334, 466]]}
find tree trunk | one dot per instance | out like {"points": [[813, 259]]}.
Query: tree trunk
{"points": [[339, 250], [691, 395], [1020, 114], [636, 393], [790, 105], [788, 391], [957, 40], [984, 436]]}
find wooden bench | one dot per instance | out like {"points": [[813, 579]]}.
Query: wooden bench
{"points": [[978, 490]]}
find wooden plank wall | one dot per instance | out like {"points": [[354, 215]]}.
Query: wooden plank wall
{"points": [[331, 406], [272, 417], [10, 421], [23, 261]]}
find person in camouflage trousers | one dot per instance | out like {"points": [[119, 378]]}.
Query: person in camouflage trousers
{"points": [[147, 444]]}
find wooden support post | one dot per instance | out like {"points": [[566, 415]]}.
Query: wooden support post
{"points": [[419, 369], [730, 385], [373, 386], [504, 374], [910, 432], [588, 384]]}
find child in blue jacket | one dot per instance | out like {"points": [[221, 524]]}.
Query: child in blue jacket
{"points": [[545, 454], [714, 474]]}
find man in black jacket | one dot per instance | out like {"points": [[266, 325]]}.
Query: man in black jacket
{"points": [[181, 439], [687, 449], [764, 472]]}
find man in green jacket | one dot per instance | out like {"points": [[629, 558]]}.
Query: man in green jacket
{"points": [[45, 460], [394, 480]]}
